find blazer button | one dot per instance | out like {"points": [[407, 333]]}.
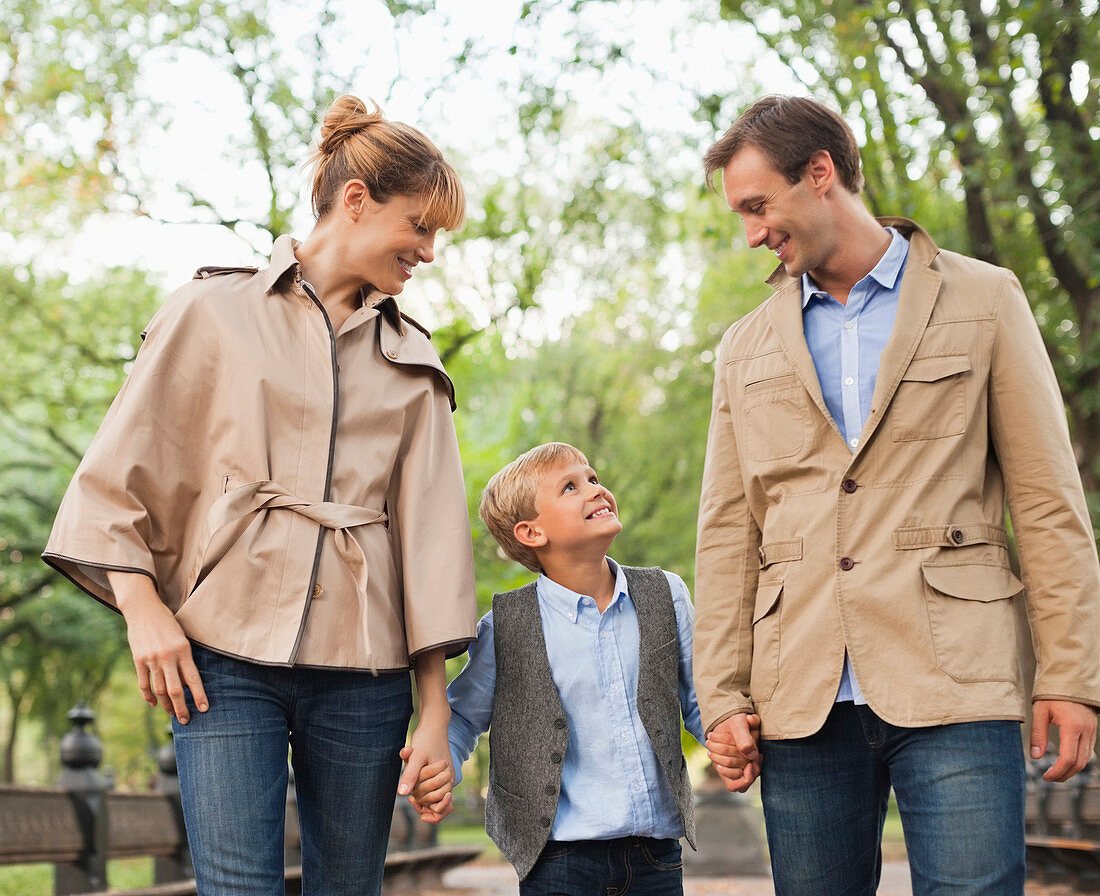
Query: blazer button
{"points": [[555, 757], [559, 723], [957, 536], [318, 590], [550, 790], [761, 556], [391, 353], [849, 485], [847, 563], [544, 821]]}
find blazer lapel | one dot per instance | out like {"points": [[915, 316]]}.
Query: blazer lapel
{"points": [[920, 286], [785, 313]]}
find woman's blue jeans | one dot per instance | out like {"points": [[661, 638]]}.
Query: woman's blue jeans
{"points": [[959, 790], [630, 866], [344, 731]]}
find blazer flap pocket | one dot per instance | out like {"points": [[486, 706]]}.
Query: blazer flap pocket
{"points": [[779, 551], [767, 599], [972, 581], [928, 370]]}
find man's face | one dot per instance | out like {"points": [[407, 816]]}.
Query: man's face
{"points": [[790, 219]]}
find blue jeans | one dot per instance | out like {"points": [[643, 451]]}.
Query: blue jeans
{"points": [[344, 731], [628, 866], [959, 789]]}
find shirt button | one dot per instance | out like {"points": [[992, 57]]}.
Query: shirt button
{"points": [[957, 536], [853, 442], [848, 324], [849, 485], [847, 563], [318, 590], [848, 381]]}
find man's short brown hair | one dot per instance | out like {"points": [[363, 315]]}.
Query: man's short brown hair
{"points": [[789, 130], [509, 497]]}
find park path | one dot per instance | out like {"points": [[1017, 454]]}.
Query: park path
{"points": [[498, 879]]}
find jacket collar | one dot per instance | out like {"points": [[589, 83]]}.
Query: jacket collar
{"points": [[919, 288], [284, 260]]}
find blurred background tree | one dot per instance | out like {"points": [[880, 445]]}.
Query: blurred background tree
{"points": [[595, 275]]}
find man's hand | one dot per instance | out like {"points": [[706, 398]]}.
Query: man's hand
{"points": [[1076, 735], [731, 747]]}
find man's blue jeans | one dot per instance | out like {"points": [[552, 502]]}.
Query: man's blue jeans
{"points": [[344, 731], [959, 789], [631, 866]]}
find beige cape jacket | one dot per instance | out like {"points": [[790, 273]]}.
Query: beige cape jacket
{"points": [[897, 552], [296, 495]]}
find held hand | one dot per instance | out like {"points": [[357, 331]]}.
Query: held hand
{"points": [[430, 795], [1076, 735], [161, 651], [731, 747]]}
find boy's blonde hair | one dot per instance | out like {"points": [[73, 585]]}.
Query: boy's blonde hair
{"points": [[509, 497]]}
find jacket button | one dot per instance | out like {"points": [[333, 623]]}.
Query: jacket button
{"points": [[555, 757], [544, 821], [550, 790], [847, 563], [390, 353], [559, 723], [957, 536], [761, 555], [849, 485], [318, 590]]}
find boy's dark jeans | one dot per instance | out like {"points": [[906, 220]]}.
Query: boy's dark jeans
{"points": [[631, 866]]}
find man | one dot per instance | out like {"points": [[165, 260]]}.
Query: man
{"points": [[856, 610]]}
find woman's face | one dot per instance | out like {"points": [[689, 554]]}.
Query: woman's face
{"points": [[389, 241]]}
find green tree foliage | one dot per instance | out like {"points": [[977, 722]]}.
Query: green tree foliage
{"points": [[65, 348], [993, 103]]}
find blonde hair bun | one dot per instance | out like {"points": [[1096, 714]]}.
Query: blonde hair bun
{"points": [[390, 158], [347, 116]]}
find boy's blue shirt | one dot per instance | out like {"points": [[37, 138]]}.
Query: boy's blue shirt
{"points": [[611, 784]]}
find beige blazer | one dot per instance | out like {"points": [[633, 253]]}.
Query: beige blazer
{"points": [[296, 495], [897, 551]]}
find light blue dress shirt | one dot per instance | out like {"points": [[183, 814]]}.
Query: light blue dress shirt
{"points": [[846, 343], [611, 783]]}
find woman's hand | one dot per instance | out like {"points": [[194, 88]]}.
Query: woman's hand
{"points": [[428, 754], [161, 651]]}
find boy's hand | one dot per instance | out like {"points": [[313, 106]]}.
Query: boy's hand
{"points": [[731, 748], [430, 794]]}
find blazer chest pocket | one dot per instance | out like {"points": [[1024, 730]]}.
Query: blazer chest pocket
{"points": [[930, 402], [775, 417]]}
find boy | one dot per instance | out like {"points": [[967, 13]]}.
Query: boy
{"points": [[581, 678]]}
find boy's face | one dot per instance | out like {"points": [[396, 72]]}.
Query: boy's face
{"points": [[573, 509]]}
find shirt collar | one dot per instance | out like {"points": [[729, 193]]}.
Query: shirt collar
{"points": [[885, 273], [568, 603]]}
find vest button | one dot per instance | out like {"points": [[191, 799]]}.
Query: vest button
{"points": [[555, 757], [846, 563], [957, 536], [849, 485]]}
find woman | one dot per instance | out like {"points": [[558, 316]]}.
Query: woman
{"points": [[275, 504]]}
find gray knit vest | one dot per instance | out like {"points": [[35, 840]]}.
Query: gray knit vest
{"points": [[528, 733]]}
